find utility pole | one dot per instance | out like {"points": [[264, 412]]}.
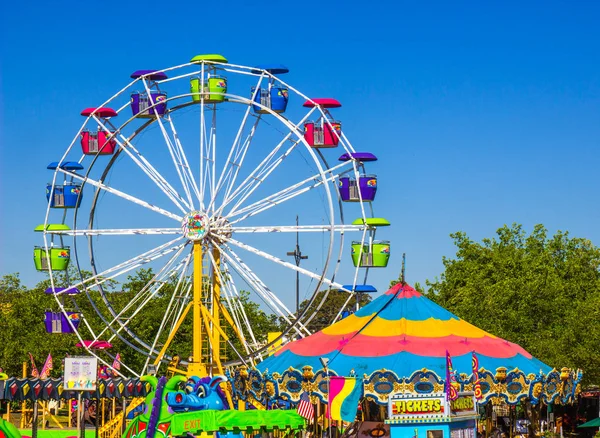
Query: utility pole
{"points": [[298, 257]]}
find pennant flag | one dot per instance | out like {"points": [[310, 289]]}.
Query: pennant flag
{"points": [[451, 393], [116, 365], [343, 398], [305, 407], [34, 370], [476, 384], [46, 368]]}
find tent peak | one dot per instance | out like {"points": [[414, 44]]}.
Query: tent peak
{"points": [[407, 291]]}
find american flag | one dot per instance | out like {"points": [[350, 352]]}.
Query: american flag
{"points": [[305, 407]]}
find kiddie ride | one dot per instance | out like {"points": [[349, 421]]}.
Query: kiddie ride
{"points": [[201, 408], [8, 430]]}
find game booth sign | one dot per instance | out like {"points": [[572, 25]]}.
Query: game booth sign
{"points": [[432, 416]]}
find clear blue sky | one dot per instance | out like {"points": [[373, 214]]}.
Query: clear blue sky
{"points": [[482, 113]]}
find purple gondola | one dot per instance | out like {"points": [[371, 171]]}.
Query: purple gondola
{"points": [[154, 103], [365, 189], [58, 322]]}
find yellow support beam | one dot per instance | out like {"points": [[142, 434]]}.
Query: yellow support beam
{"points": [[212, 341], [173, 333], [197, 367], [231, 323], [216, 307]]}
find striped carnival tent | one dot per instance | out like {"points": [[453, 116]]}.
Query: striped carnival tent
{"points": [[402, 331], [398, 342]]}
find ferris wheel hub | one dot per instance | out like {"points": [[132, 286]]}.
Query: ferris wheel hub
{"points": [[195, 225]]}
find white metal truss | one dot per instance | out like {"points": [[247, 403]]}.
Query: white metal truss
{"points": [[219, 183]]}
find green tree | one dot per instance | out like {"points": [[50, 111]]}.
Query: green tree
{"points": [[334, 304], [538, 291]]}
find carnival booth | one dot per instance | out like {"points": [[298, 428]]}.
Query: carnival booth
{"points": [[432, 416], [399, 346]]}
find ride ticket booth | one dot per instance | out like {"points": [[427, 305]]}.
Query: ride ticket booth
{"points": [[431, 416]]}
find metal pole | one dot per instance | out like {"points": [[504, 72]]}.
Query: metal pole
{"points": [[298, 257], [328, 403], [80, 422], [97, 419], [34, 425]]}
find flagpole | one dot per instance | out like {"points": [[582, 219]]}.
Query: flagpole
{"points": [[328, 402]]}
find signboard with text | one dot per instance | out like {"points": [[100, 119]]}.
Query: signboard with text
{"points": [[434, 407], [80, 373], [429, 406], [464, 406]]}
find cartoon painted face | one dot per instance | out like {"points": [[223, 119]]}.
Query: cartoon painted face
{"points": [[195, 225], [372, 183]]}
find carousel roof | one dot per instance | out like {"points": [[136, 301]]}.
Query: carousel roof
{"points": [[402, 331]]}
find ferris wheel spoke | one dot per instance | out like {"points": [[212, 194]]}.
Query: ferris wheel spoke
{"points": [[175, 153], [237, 162], [286, 194], [139, 302], [292, 229], [226, 171], [187, 170], [132, 263], [123, 195], [145, 296], [259, 176], [238, 311], [230, 168], [268, 297], [117, 231], [278, 261], [238, 329], [130, 150], [265, 168], [183, 300], [178, 162]]}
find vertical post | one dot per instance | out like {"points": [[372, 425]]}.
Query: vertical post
{"points": [[402, 276], [80, 422], [24, 404], [328, 403], [216, 302], [297, 254], [34, 425], [97, 419], [197, 367], [124, 418]]}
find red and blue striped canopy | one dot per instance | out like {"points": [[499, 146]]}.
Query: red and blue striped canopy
{"points": [[402, 331]]}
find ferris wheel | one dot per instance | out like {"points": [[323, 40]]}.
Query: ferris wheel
{"points": [[201, 180]]}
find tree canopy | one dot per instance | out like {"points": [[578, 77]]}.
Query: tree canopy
{"points": [[539, 291], [334, 304]]}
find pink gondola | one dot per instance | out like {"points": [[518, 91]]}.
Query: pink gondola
{"points": [[325, 132], [100, 142], [95, 345]]}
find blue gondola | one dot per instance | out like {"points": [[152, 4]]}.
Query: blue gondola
{"points": [[274, 97]]}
